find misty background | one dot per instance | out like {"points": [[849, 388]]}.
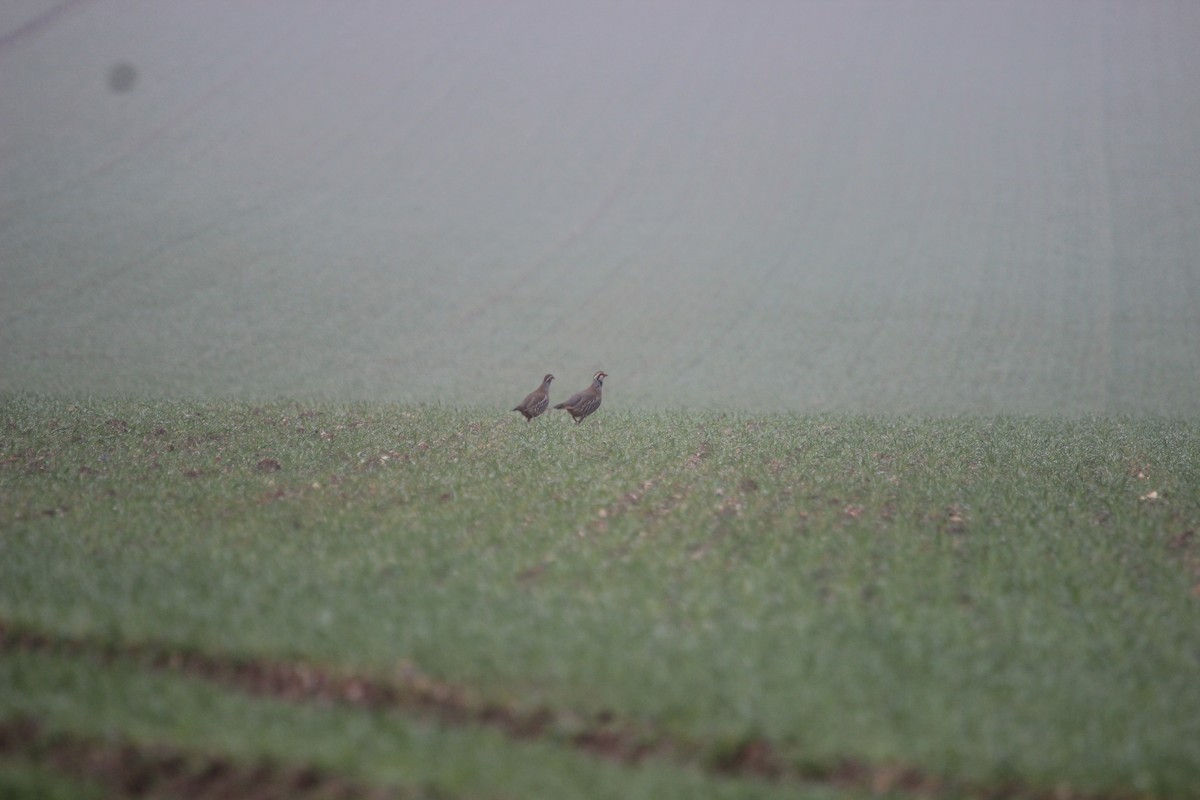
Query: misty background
{"points": [[924, 206]]}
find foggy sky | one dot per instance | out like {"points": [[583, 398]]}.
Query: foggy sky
{"points": [[897, 206]]}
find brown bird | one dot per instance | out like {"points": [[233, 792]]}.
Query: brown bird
{"points": [[580, 404], [537, 400]]}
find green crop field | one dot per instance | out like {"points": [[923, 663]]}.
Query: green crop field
{"points": [[895, 490], [456, 603]]}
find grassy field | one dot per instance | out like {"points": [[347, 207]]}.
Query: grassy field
{"points": [[894, 492], [454, 603]]}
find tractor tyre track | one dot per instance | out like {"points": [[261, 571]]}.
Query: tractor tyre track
{"points": [[602, 735], [127, 769]]}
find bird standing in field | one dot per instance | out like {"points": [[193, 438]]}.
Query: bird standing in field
{"points": [[537, 400], [580, 404]]}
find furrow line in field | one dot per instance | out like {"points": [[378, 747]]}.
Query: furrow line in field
{"points": [[603, 735], [128, 769]]}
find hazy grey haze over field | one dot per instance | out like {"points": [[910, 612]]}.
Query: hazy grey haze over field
{"points": [[881, 206]]}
